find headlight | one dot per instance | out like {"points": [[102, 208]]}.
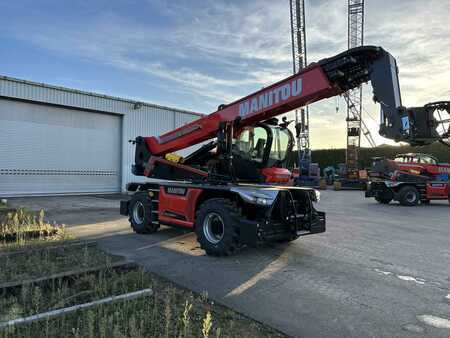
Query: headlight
{"points": [[316, 196], [391, 184], [262, 201], [255, 197]]}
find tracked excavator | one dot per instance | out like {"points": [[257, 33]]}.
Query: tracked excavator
{"points": [[233, 190]]}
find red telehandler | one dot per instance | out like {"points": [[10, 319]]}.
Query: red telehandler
{"points": [[410, 179], [232, 191]]}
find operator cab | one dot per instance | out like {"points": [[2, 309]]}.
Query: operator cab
{"points": [[260, 152]]}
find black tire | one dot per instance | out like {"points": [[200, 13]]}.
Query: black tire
{"points": [[140, 214], [286, 240], [217, 227], [409, 196], [382, 200]]}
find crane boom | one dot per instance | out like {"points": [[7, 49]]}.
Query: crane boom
{"points": [[326, 78]]}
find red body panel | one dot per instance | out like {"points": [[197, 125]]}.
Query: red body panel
{"points": [[178, 209], [298, 90], [423, 168], [438, 169], [276, 175], [438, 190], [433, 169], [175, 221]]}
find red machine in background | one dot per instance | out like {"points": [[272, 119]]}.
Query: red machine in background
{"points": [[410, 179], [225, 191]]}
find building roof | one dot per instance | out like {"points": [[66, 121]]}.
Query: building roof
{"points": [[34, 91]]}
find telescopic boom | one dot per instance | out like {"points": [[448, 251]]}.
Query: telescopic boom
{"points": [[326, 78]]}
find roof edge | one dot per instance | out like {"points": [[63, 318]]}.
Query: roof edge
{"points": [[103, 96]]}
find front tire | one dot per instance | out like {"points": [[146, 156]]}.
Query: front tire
{"points": [[383, 200], [140, 214], [409, 196], [217, 227]]}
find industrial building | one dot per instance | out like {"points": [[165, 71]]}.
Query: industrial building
{"points": [[55, 140]]}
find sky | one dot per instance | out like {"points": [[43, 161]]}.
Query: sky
{"points": [[197, 54]]}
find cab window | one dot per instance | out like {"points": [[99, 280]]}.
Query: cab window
{"points": [[280, 145], [427, 160], [251, 143]]}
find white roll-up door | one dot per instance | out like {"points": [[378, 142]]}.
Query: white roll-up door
{"points": [[52, 150]]}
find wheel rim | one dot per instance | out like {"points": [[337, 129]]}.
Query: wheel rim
{"points": [[411, 197], [213, 227], [138, 212]]}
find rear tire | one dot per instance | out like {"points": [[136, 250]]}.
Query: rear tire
{"points": [[409, 196], [217, 227], [140, 214]]}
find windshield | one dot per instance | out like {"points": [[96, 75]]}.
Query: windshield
{"points": [[252, 141]]}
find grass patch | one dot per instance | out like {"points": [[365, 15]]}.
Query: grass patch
{"points": [[17, 227], [48, 261], [170, 311], [33, 299]]}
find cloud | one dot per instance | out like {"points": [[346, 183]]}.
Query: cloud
{"points": [[219, 51], [232, 48], [255, 30]]}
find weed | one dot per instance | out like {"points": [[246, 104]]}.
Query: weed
{"points": [[21, 226], [186, 318], [168, 313], [207, 324]]}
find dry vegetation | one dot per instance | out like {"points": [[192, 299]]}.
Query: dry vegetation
{"points": [[20, 226], [50, 260], [170, 311]]}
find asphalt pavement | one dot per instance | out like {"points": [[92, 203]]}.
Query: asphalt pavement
{"points": [[378, 271]]}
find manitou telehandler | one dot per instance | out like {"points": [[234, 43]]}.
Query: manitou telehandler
{"points": [[410, 179], [233, 190]]}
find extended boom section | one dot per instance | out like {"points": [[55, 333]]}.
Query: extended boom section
{"points": [[321, 80]]}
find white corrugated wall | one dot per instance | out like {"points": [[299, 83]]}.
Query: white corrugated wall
{"points": [[138, 118], [53, 150]]}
